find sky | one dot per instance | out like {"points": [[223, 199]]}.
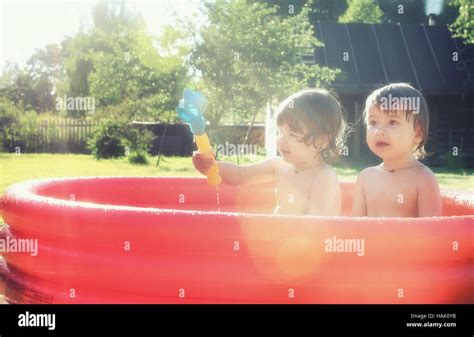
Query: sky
{"points": [[27, 25]]}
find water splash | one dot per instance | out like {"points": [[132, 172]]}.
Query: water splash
{"points": [[218, 199]]}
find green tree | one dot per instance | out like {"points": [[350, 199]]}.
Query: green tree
{"points": [[45, 68], [464, 25], [111, 16], [47, 61], [78, 64], [362, 11], [33, 87], [286, 8], [403, 11], [133, 70], [16, 86], [118, 64], [327, 10], [319, 10], [248, 55], [110, 19], [415, 11]]}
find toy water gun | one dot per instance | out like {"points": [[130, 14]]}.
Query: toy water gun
{"points": [[191, 110]]}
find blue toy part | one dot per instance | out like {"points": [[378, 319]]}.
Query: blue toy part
{"points": [[195, 98], [191, 109]]}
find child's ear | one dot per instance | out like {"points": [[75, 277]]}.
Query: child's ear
{"points": [[323, 142], [418, 134]]}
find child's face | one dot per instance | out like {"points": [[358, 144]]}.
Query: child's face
{"points": [[390, 135], [292, 148]]}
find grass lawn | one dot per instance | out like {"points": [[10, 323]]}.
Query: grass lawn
{"points": [[17, 168]]}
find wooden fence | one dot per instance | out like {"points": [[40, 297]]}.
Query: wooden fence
{"points": [[71, 136], [54, 136]]}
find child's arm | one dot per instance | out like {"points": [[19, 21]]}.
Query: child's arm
{"points": [[247, 174], [359, 208], [237, 174], [325, 197], [429, 196]]}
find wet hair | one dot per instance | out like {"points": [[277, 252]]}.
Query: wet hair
{"points": [[404, 92], [318, 115]]}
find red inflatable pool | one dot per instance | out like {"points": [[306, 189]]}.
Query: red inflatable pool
{"points": [[163, 240]]}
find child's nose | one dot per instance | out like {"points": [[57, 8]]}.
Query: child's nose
{"points": [[380, 130], [281, 140]]}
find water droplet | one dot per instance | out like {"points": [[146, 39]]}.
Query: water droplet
{"points": [[218, 199]]}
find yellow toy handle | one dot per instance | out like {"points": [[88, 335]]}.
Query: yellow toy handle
{"points": [[204, 146]]}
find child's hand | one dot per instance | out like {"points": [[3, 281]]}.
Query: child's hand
{"points": [[203, 161]]}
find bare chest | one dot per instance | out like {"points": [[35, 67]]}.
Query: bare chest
{"points": [[293, 192], [391, 196]]}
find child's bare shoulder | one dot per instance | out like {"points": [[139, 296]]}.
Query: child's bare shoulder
{"points": [[278, 160], [325, 179], [424, 170], [329, 173], [279, 164], [368, 173], [424, 176]]}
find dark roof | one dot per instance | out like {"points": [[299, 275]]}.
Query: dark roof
{"points": [[387, 53]]}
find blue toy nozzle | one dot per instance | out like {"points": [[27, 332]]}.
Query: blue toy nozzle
{"points": [[191, 110]]}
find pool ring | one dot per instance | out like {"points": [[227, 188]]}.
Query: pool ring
{"points": [[162, 240]]}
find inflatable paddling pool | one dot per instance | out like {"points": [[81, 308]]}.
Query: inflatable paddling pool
{"points": [[170, 240]]}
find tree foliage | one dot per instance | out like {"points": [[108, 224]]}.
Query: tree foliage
{"points": [[249, 55], [115, 61], [464, 25], [362, 11], [118, 61]]}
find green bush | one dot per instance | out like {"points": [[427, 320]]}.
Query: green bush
{"points": [[28, 128], [9, 121], [138, 139], [138, 158], [107, 140], [115, 138], [18, 127], [455, 162]]}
